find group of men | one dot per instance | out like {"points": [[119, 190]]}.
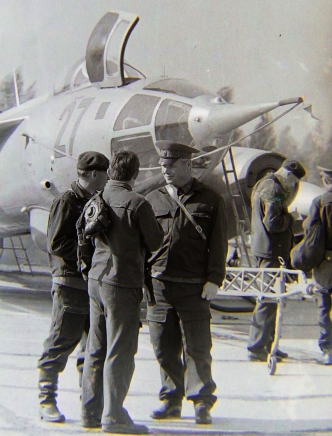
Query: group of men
{"points": [[175, 239]]}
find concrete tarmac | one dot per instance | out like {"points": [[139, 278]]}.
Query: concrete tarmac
{"points": [[296, 400]]}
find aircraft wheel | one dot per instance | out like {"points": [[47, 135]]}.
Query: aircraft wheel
{"points": [[272, 364], [310, 289]]}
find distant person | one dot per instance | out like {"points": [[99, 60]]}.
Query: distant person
{"points": [[70, 311], [271, 239], [116, 279], [187, 272], [322, 207]]}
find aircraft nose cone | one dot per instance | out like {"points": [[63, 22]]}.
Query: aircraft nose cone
{"points": [[224, 118], [219, 119]]}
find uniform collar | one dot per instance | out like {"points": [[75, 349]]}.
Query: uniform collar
{"points": [[119, 184], [195, 185], [185, 189], [79, 191]]}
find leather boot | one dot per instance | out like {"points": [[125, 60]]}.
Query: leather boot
{"points": [[48, 386], [50, 413], [168, 410], [202, 413], [326, 358]]}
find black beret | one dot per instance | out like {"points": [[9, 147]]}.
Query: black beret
{"points": [[295, 167], [92, 160]]}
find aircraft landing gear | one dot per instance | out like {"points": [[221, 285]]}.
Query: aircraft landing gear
{"points": [[272, 364]]}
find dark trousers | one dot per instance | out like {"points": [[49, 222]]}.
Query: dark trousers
{"points": [[70, 319], [112, 344], [261, 334], [81, 350], [324, 321], [180, 334]]}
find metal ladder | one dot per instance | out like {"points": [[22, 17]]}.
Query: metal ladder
{"points": [[20, 253], [238, 205]]}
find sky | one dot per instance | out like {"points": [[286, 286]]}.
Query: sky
{"points": [[266, 50]]}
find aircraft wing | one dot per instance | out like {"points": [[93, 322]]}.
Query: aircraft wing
{"points": [[9, 125]]}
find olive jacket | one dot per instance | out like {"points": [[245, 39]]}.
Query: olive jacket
{"points": [[62, 238], [271, 223], [322, 206], [184, 256], [120, 252]]}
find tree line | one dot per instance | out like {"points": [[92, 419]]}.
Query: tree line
{"points": [[7, 90]]}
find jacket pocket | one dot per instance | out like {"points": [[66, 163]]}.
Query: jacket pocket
{"points": [[204, 221], [72, 323], [164, 217]]}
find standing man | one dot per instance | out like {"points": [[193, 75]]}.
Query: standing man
{"points": [[70, 311], [271, 238], [187, 272], [116, 279], [322, 207]]}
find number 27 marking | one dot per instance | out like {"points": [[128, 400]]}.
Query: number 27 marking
{"points": [[60, 149]]}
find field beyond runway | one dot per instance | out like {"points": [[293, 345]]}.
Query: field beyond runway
{"points": [[296, 400]]}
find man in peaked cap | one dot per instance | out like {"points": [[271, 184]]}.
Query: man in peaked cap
{"points": [[70, 311], [186, 272], [271, 239], [172, 151], [322, 206]]}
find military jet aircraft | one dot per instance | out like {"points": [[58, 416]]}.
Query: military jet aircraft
{"points": [[105, 104]]}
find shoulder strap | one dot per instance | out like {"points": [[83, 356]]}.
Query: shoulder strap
{"points": [[173, 194]]}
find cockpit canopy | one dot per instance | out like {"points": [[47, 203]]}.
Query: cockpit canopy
{"points": [[179, 87], [77, 77]]}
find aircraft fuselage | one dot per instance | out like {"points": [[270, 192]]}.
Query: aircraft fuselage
{"points": [[41, 139], [38, 160]]}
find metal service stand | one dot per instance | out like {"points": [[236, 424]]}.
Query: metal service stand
{"points": [[272, 285]]}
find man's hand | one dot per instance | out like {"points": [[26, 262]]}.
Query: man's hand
{"points": [[296, 215], [210, 290]]}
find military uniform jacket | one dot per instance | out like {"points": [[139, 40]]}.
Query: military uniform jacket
{"points": [[184, 255], [119, 256], [62, 236], [271, 224], [322, 206]]}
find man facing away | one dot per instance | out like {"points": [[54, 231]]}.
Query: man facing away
{"points": [[187, 272], [70, 310], [271, 239], [116, 279], [322, 207]]}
